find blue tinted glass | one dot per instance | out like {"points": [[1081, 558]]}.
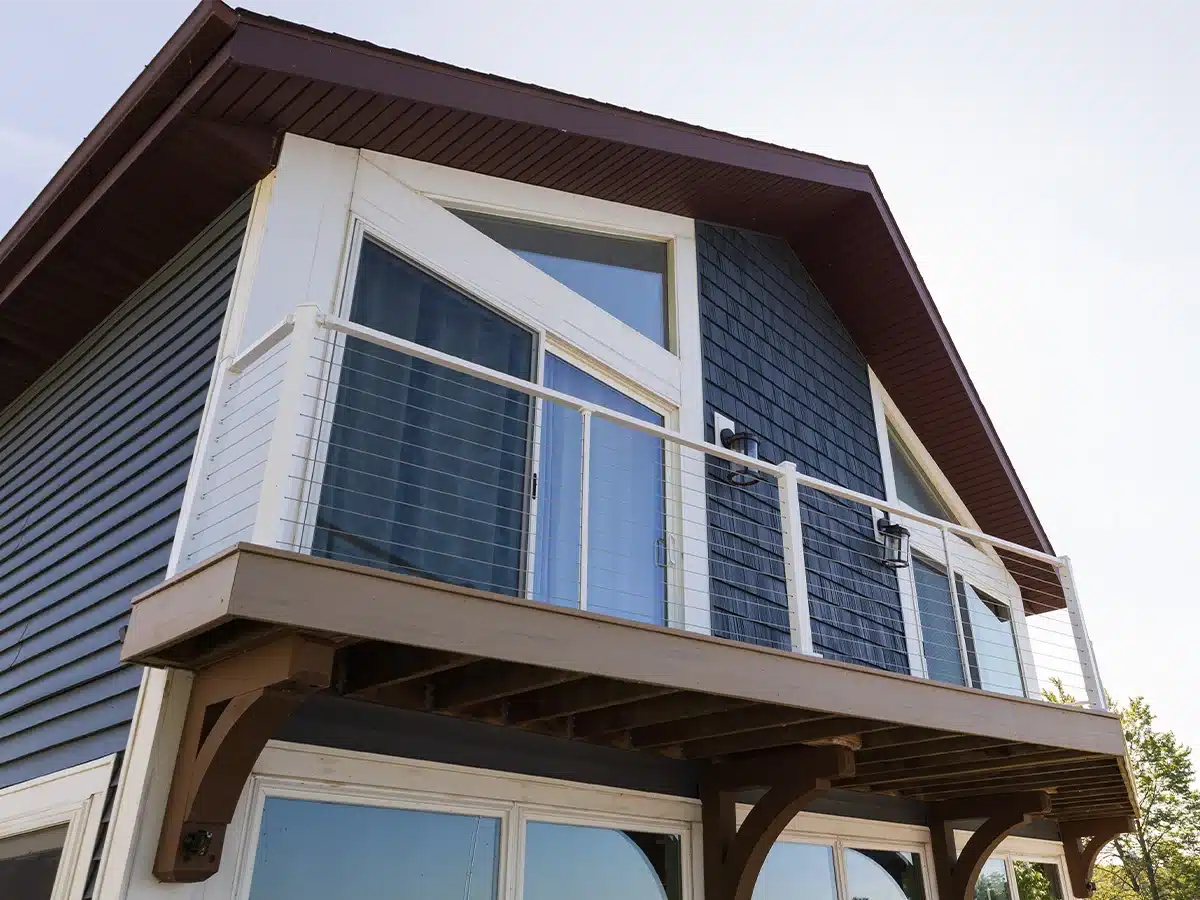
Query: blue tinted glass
{"points": [[626, 278], [796, 872], [425, 471], [911, 486], [635, 297], [309, 850], [991, 643], [884, 875], [939, 631], [993, 882], [600, 864], [626, 509]]}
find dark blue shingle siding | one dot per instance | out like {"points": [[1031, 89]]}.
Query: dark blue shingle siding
{"points": [[780, 364], [93, 463]]}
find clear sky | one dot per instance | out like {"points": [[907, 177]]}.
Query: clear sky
{"points": [[1041, 159]]}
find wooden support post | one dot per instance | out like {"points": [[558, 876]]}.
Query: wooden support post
{"points": [[956, 873], [234, 708], [733, 857], [1082, 843]]}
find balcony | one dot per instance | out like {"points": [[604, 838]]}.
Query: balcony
{"points": [[390, 523]]}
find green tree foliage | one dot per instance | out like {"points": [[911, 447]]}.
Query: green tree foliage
{"points": [[1160, 860], [1033, 882]]}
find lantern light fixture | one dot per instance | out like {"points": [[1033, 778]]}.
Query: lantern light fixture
{"points": [[895, 543], [742, 442]]}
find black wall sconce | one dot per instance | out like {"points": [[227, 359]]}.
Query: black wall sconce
{"points": [[895, 543], [739, 442]]}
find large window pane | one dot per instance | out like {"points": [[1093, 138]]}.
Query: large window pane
{"points": [[625, 507], [626, 278], [585, 863], [884, 875], [1037, 881], [991, 642], [911, 485], [425, 470], [993, 882], [939, 631], [308, 850], [797, 872], [29, 863]]}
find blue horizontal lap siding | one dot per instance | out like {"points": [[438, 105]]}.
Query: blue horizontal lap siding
{"points": [[779, 363], [93, 464]]}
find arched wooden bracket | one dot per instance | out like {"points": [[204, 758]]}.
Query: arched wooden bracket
{"points": [[957, 873], [734, 856], [1082, 843], [235, 707]]}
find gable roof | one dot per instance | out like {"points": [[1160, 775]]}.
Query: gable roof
{"points": [[202, 123]]}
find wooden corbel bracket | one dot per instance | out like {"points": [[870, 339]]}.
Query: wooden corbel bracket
{"points": [[957, 873], [733, 856], [235, 707], [1082, 842]]}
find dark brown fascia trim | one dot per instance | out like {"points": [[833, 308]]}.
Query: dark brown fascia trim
{"points": [[148, 137], [175, 65], [276, 45], [290, 590], [960, 368]]}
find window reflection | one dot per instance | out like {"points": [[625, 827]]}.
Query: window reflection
{"points": [[1037, 881], [586, 863], [309, 850], [797, 872], [993, 882], [884, 875], [29, 863], [912, 487], [626, 278], [991, 642], [939, 633]]}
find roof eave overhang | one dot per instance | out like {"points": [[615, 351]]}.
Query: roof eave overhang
{"points": [[172, 153]]}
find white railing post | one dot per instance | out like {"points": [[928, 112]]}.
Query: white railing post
{"points": [[793, 558], [1083, 643], [282, 463], [585, 470]]}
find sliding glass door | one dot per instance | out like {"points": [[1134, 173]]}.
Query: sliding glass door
{"points": [[626, 514], [431, 472]]}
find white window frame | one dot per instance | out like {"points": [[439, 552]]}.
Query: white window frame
{"points": [[73, 797], [843, 834], [401, 204], [301, 771], [1023, 849], [981, 567]]}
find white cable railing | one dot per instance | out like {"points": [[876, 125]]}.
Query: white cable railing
{"points": [[334, 439]]}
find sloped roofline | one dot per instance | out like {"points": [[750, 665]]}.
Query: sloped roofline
{"points": [[203, 121]]}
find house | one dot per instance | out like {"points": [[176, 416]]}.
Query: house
{"points": [[414, 482]]}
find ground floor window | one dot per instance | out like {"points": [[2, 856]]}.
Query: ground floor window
{"points": [[48, 831], [29, 863], [795, 870], [1009, 878], [318, 822], [318, 849]]}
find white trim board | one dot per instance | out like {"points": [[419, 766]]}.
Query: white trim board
{"points": [[73, 797]]}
